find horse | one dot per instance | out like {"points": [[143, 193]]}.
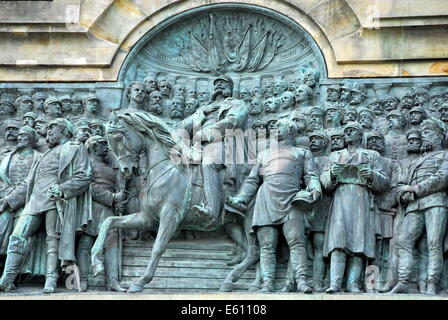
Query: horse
{"points": [[167, 198]]}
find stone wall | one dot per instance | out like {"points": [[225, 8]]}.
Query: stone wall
{"points": [[73, 40]]}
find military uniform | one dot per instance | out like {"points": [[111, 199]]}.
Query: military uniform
{"points": [[275, 179], [429, 175], [65, 165]]}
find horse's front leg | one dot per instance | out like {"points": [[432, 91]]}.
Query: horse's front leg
{"points": [[136, 220], [167, 227]]}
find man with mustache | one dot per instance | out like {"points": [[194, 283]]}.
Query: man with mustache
{"points": [[399, 177], [7, 112], [155, 103], [150, 83], [24, 104], [303, 96], [427, 207], [380, 121], [316, 119], [333, 94], [350, 114], [82, 132], [395, 140], [12, 127], [385, 216], [38, 102], [333, 117], [318, 145], [275, 180], [223, 113], [14, 169], [337, 140], [107, 201], [136, 94], [52, 108], [416, 117], [350, 229], [41, 129], [62, 173], [92, 110]]}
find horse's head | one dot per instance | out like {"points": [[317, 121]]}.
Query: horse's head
{"points": [[126, 144]]}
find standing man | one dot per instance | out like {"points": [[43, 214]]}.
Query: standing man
{"points": [[276, 179], [318, 145], [62, 175], [350, 230], [427, 207], [385, 216], [395, 140], [107, 200]]}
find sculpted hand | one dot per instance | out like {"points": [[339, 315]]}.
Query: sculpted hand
{"points": [[406, 193], [366, 173], [119, 197], [316, 196], [236, 200], [55, 193], [335, 170]]}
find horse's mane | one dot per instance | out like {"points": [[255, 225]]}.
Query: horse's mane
{"points": [[154, 127]]}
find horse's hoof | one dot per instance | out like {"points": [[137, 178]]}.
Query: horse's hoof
{"points": [[226, 287], [134, 288], [97, 269]]}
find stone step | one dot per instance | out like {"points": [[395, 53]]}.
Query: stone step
{"points": [[186, 266]]}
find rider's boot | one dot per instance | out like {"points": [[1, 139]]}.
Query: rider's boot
{"points": [[111, 258], [14, 259], [213, 194]]}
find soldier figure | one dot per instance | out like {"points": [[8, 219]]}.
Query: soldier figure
{"points": [[357, 95], [191, 106], [177, 108], [365, 119], [63, 173], [395, 139], [316, 119], [350, 114], [427, 207], [399, 178], [77, 107], [136, 94], [391, 103], [223, 113], [14, 169], [29, 119], [203, 97], [380, 121], [7, 112], [41, 129], [38, 102], [92, 108], [66, 105], [385, 216], [350, 230], [150, 83], [245, 95], [24, 104], [333, 117], [407, 100], [303, 95], [82, 132], [436, 100], [52, 108], [97, 128], [271, 105], [318, 146], [337, 140], [12, 127], [333, 94], [105, 199], [156, 102], [165, 89], [276, 180], [416, 117], [256, 106]]}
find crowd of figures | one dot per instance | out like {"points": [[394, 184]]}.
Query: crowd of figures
{"points": [[354, 180]]}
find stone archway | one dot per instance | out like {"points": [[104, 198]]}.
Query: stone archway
{"points": [[249, 43]]}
